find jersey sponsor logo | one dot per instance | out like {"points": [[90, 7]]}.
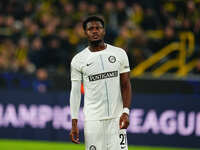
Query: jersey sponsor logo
{"points": [[112, 59], [126, 67], [103, 75], [92, 147]]}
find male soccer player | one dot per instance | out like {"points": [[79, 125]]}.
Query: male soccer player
{"points": [[104, 70]]}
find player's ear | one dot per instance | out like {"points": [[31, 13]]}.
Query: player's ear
{"points": [[85, 31]]}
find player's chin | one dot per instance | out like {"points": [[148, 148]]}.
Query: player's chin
{"points": [[96, 41]]}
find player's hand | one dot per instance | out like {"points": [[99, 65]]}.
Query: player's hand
{"points": [[74, 134], [124, 121]]}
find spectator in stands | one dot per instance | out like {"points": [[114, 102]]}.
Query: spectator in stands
{"points": [[136, 14], [36, 53], [7, 56], [68, 15], [136, 47], [121, 12], [67, 48], [192, 13], [41, 84], [49, 33], [52, 53], [169, 37], [21, 55], [82, 10], [110, 16], [125, 35], [151, 20], [32, 31], [92, 9]]}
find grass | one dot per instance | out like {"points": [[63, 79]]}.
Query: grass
{"points": [[41, 145]]}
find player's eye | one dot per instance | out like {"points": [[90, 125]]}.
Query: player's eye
{"points": [[90, 29]]}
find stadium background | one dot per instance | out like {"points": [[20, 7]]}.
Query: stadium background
{"points": [[38, 38]]}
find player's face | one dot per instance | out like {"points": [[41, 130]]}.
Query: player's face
{"points": [[94, 31]]}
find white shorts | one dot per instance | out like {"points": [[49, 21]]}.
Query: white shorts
{"points": [[105, 135]]}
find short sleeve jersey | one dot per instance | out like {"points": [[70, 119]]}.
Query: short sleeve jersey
{"points": [[100, 72]]}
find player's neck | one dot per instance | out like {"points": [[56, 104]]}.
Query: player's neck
{"points": [[97, 46]]}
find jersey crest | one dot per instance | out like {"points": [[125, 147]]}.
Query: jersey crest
{"points": [[112, 59]]}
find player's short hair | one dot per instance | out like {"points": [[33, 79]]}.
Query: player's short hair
{"points": [[92, 18]]}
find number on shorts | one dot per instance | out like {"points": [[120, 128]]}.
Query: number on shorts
{"points": [[123, 139]]}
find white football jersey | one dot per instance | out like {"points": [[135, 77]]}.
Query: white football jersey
{"points": [[100, 72]]}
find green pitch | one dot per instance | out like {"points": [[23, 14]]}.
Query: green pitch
{"points": [[39, 145]]}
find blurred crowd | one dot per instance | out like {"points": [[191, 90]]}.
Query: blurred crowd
{"points": [[45, 34]]}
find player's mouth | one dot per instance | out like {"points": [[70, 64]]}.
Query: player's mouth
{"points": [[95, 37]]}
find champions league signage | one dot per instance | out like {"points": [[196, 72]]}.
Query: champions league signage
{"points": [[169, 122], [153, 121], [37, 116]]}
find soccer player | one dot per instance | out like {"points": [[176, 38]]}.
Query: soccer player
{"points": [[104, 71]]}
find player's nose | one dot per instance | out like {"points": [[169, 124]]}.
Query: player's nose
{"points": [[95, 30]]}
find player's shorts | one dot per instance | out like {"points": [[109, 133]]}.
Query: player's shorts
{"points": [[105, 135]]}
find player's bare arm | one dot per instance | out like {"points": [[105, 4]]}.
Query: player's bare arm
{"points": [[126, 97], [74, 134]]}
